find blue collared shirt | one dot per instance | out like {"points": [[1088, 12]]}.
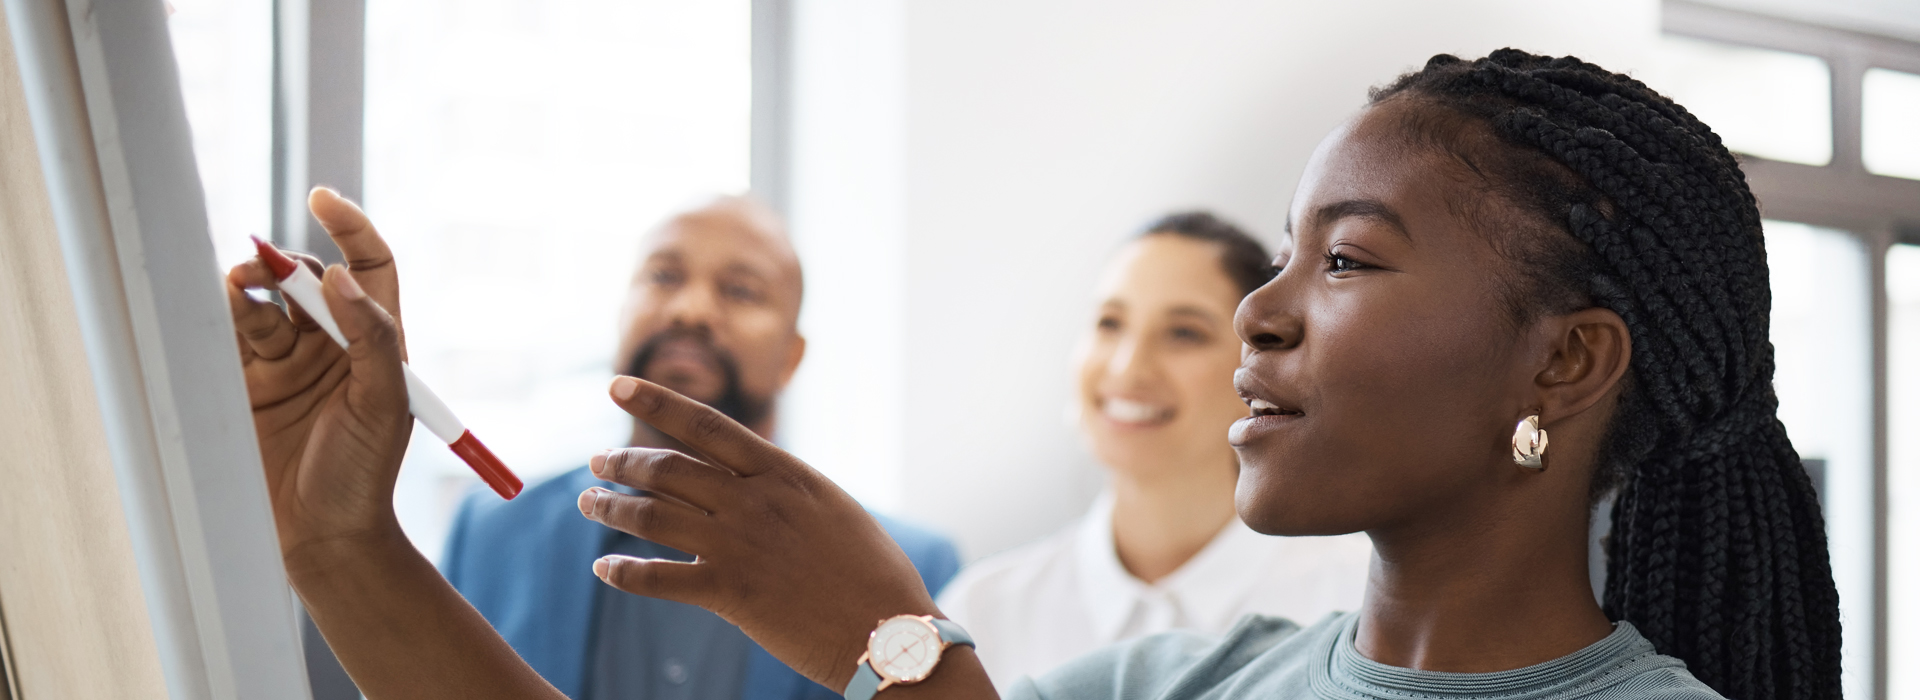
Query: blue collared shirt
{"points": [[527, 566]]}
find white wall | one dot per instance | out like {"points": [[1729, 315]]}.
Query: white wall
{"points": [[963, 168]]}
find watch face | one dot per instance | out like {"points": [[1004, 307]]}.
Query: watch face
{"points": [[904, 649]]}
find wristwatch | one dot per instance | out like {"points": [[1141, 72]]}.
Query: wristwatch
{"points": [[903, 650]]}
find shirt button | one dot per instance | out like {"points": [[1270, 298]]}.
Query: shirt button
{"points": [[676, 672]]}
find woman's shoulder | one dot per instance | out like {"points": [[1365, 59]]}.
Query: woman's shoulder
{"points": [[1653, 676], [1273, 657], [1638, 671], [1261, 655], [1664, 684]]}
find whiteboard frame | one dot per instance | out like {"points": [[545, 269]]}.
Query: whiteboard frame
{"points": [[103, 92]]}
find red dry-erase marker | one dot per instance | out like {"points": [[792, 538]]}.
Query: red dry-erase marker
{"points": [[298, 282]]}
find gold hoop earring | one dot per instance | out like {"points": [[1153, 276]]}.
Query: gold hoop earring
{"points": [[1530, 444]]}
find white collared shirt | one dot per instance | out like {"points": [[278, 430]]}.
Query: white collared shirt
{"points": [[1039, 605]]}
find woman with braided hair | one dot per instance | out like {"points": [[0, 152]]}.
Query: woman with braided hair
{"points": [[1492, 252]]}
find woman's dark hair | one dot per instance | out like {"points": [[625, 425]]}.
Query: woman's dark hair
{"points": [[1718, 552], [1242, 257]]}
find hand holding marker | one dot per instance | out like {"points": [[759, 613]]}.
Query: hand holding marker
{"points": [[298, 282]]}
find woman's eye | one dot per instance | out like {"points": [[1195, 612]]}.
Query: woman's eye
{"points": [[1189, 335], [1337, 263], [1108, 323], [668, 278]]}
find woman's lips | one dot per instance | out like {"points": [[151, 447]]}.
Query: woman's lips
{"points": [[1253, 427]]}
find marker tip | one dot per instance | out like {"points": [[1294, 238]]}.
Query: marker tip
{"points": [[277, 261]]}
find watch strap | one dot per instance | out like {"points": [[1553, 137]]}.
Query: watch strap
{"points": [[951, 632], [865, 682]]}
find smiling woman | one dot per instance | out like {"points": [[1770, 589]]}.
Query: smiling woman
{"points": [[1162, 549]]}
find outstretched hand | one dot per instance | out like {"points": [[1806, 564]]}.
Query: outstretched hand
{"points": [[781, 551]]}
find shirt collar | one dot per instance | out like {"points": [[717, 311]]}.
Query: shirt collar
{"points": [[1107, 590], [1208, 589]]}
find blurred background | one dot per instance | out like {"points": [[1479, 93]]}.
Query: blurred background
{"points": [[955, 173]]}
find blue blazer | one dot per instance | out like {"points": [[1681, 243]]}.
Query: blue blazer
{"points": [[526, 564]]}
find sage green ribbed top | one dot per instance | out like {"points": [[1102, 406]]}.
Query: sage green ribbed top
{"points": [[1273, 659]]}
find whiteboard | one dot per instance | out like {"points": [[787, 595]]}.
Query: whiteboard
{"points": [[102, 92]]}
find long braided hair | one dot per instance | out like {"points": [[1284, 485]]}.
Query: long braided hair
{"points": [[1718, 552]]}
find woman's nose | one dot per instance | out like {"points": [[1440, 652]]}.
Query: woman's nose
{"points": [[1265, 320], [1126, 358]]}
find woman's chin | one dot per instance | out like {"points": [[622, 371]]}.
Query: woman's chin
{"points": [[1290, 510]]}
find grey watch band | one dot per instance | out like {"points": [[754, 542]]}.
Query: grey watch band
{"points": [[866, 682], [952, 633]]}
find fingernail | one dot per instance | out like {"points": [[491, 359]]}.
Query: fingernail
{"points": [[601, 566], [623, 387], [589, 500], [344, 284], [599, 462]]}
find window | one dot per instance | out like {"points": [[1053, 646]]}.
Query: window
{"points": [[1890, 113], [225, 52], [515, 185], [1903, 468], [1824, 377], [1772, 88], [1771, 104]]}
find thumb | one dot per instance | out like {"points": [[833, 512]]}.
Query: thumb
{"points": [[373, 342]]}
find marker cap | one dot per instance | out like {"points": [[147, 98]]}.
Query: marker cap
{"points": [[489, 467]]}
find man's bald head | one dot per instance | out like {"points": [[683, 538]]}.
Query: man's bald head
{"points": [[713, 309], [741, 219]]}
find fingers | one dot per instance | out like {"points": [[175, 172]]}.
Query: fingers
{"points": [[678, 581], [649, 518], [373, 343], [264, 330], [252, 274], [727, 444], [669, 473], [366, 253]]}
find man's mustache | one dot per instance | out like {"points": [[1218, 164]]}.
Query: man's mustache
{"points": [[733, 401]]}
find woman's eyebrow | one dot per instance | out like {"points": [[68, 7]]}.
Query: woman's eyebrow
{"points": [[1327, 214], [1193, 311]]}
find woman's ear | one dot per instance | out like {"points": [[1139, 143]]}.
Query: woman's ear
{"points": [[1590, 350]]}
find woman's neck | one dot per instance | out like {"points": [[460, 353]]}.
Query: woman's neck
{"points": [[1499, 589], [1161, 521]]}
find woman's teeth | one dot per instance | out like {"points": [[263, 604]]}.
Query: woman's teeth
{"points": [[1126, 411], [1262, 407]]}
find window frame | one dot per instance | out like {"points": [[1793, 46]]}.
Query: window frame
{"points": [[1878, 210]]}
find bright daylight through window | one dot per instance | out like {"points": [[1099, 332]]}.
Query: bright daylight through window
{"points": [[1821, 338], [515, 186], [1903, 472], [1890, 123], [1771, 104], [225, 50]]}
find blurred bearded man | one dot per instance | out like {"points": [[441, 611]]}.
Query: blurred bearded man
{"points": [[711, 313]]}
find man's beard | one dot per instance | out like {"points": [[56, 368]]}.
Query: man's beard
{"points": [[734, 401]]}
